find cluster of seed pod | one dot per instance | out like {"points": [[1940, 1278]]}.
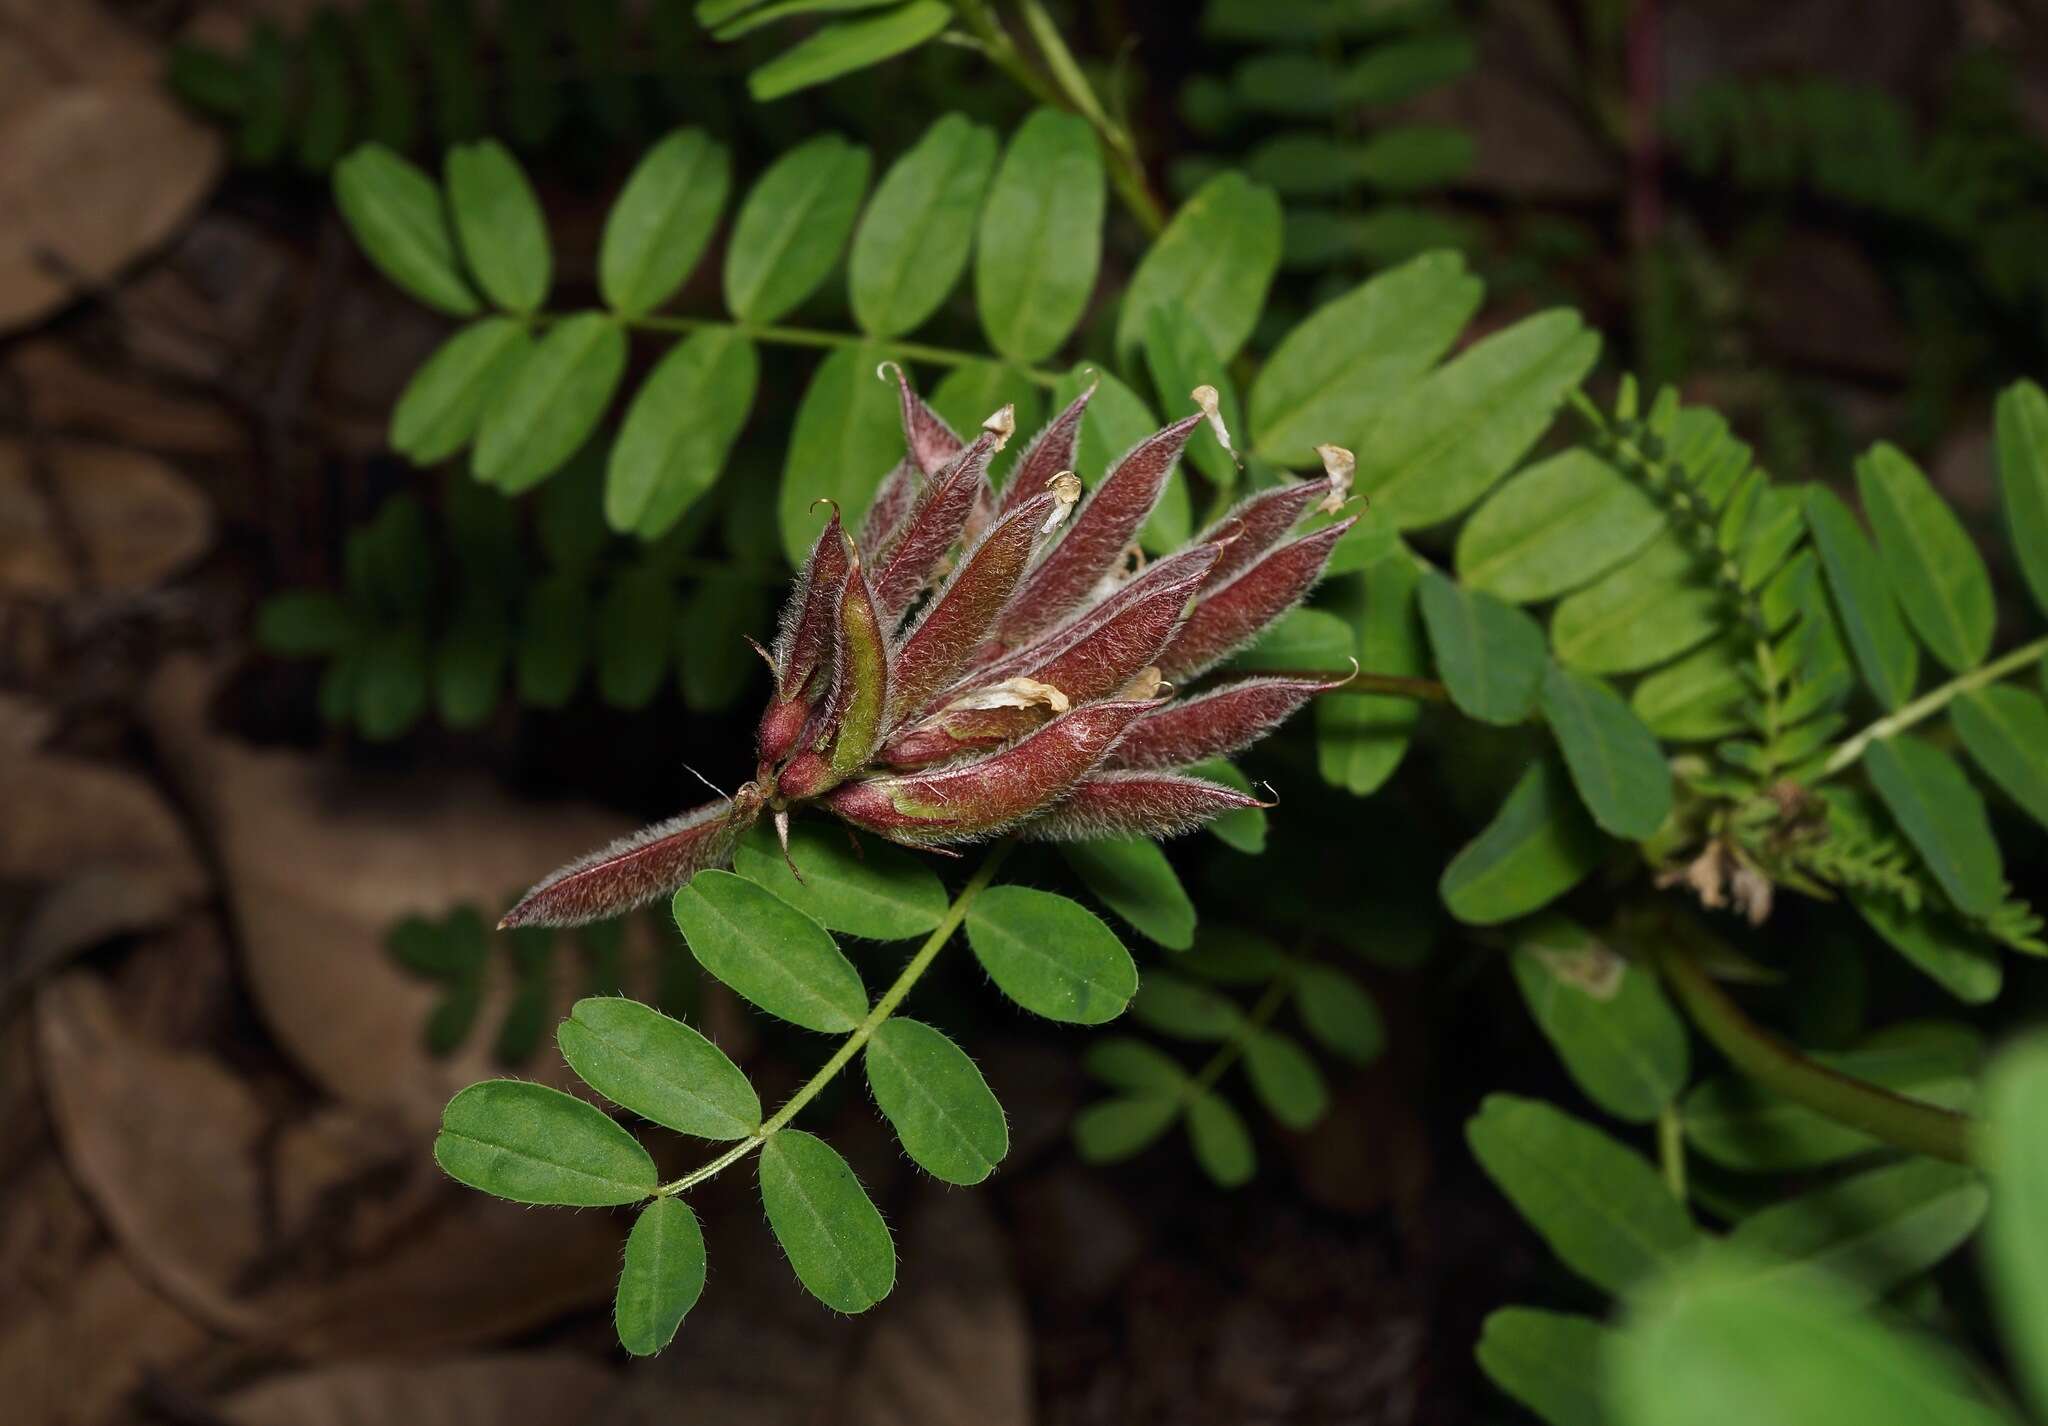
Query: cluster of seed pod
{"points": [[975, 662]]}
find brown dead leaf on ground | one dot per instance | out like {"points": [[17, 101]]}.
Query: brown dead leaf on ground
{"points": [[320, 862], [512, 1389], [950, 1346], [81, 1330], [134, 520], [67, 395], [330, 1232], [102, 852], [92, 177]]}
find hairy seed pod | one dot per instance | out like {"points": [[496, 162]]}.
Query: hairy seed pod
{"points": [[965, 609], [1231, 616], [637, 869], [1105, 525], [1136, 804], [972, 800], [1214, 724]]}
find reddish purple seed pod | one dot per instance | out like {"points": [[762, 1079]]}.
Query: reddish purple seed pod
{"points": [[1101, 530], [1232, 615], [637, 869], [1136, 804], [1258, 522], [1214, 724], [971, 800], [1050, 452]]}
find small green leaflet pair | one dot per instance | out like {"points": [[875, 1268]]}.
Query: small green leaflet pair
{"points": [[883, 30], [1152, 1089], [535, 1144], [402, 638], [1350, 200], [1773, 1322]]}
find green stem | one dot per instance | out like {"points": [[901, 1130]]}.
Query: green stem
{"points": [[861, 1034], [1072, 92], [1263, 1009], [1671, 1149], [1929, 704], [1901, 1122], [812, 337]]}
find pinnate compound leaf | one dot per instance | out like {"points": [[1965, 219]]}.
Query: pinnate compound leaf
{"points": [[1538, 846], [554, 641], [1885, 652], [1041, 236], [662, 1278], [1222, 1144], [846, 46], [1608, 1019], [1134, 1066], [2005, 731], [876, 891], [678, 430], [1650, 608], [1458, 430], [664, 216], [533, 1144], [1701, 696], [1175, 1005], [634, 625], [550, 403], [1132, 877], [1601, 1207], [1112, 1130], [2016, 1239], [1335, 371], [845, 439], [2022, 437], [1870, 1233], [1944, 818], [834, 1235], [398, 218], [936, 1099], [1214, 260], [1712, 1346], [300, 623], [1560, 524], [499, 221], [659, 1068], [793, 226], [1490, 653], [1615, 762], [769, 952], [1548, 1361], [1933, 563], [1946, 951], [438, 412], [915, 238], [1735, 1123], [1339, 1013], [1360, 740], [1286, 1079], [1051, 955]]}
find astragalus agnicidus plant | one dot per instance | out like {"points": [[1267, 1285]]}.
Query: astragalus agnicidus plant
{"points": [[976, 662]]}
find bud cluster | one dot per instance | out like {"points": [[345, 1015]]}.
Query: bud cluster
{"points": [[975, 662]]}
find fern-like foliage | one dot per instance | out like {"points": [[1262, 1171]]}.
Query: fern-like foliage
{"points": [[1301, 110]]}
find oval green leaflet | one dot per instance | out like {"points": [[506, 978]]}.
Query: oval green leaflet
{"points": [[769, 952], [533, 1144], [1050, 955], [658, 1068], [838, 1245], [942, 1109], [662, 1278]]}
